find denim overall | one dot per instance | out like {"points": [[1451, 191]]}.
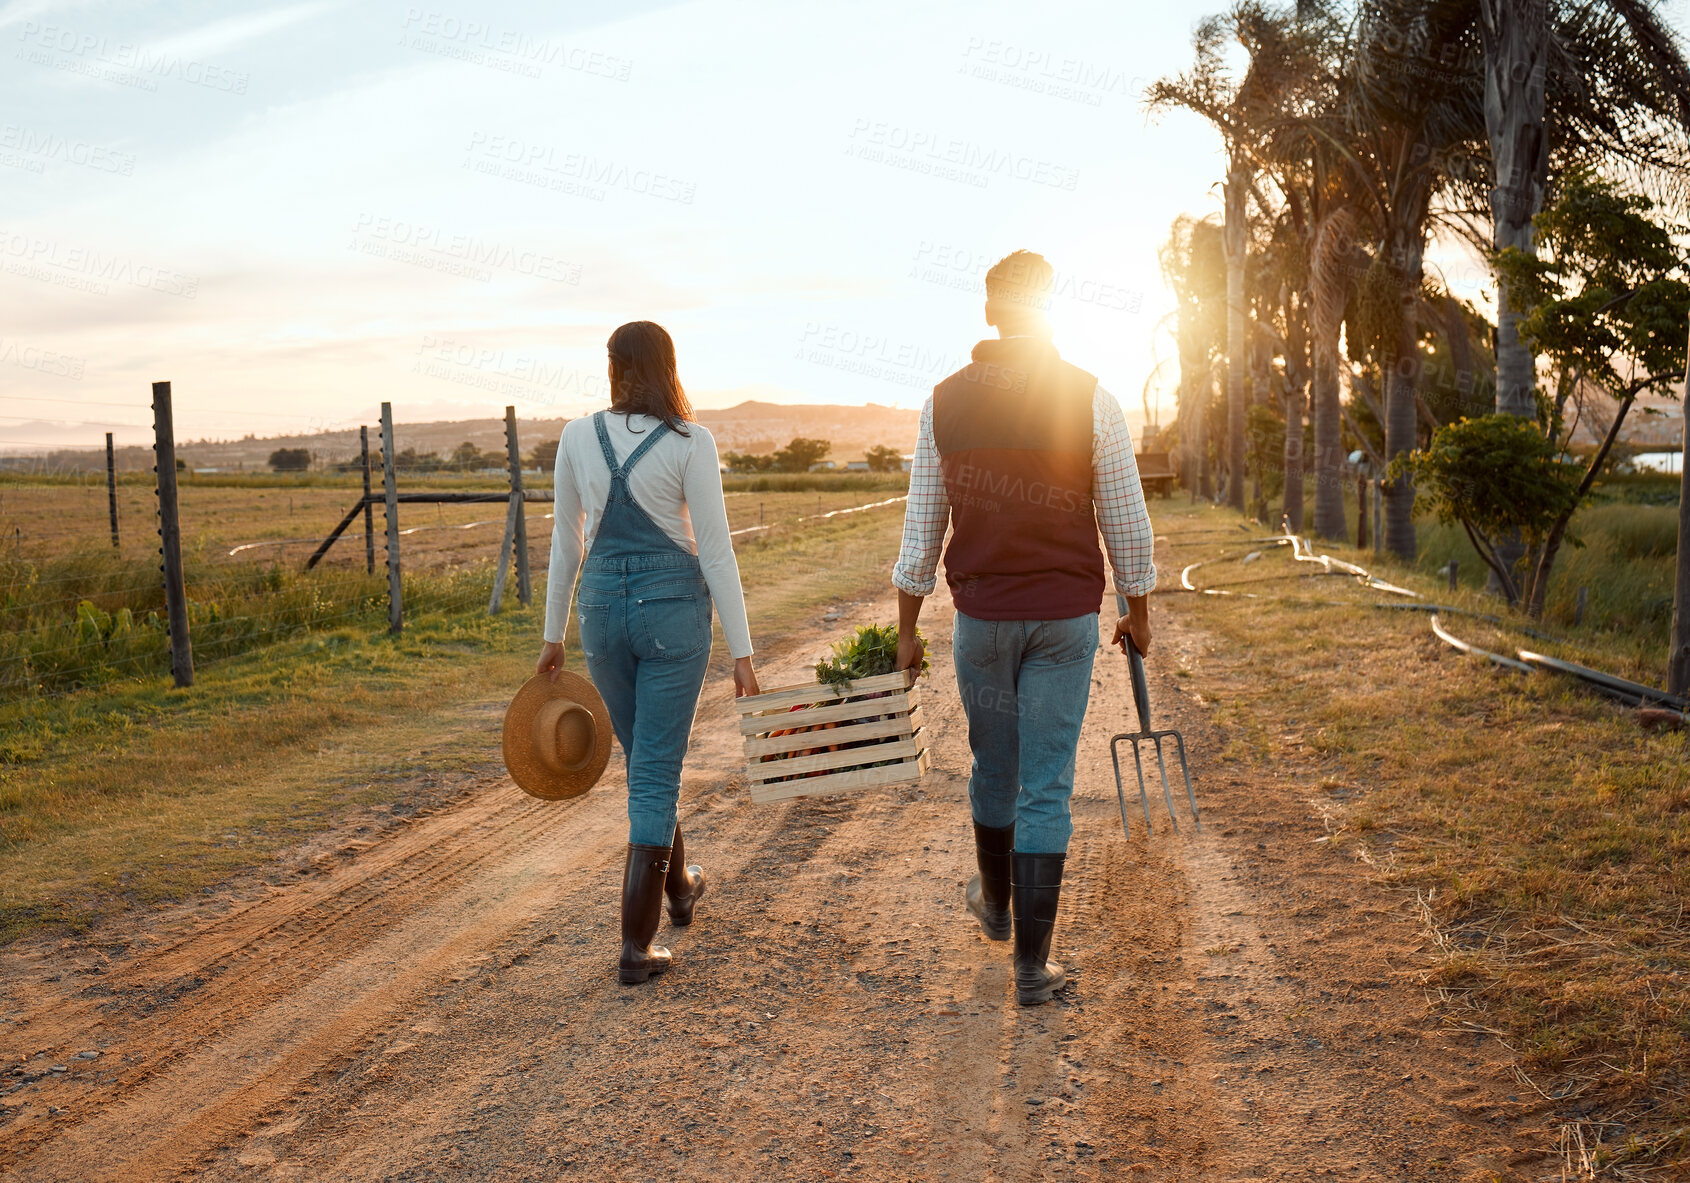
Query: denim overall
{"points": [[645, 632]]}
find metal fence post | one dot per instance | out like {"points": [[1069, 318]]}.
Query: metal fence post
{"points": [[369, 512], [111, 488], [390, 492], [170, 537]]}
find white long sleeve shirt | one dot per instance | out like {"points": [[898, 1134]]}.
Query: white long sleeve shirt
{"points": [[1122, 517], [679, 485]]}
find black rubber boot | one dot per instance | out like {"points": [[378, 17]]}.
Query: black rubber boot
{"points": [[684, 884], [642, 911], [1037, 892], [988, 892]]}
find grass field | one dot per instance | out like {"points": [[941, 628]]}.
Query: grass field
{"points": [[135, 793], [76, 612], [1545, 835], [1624, 544]]}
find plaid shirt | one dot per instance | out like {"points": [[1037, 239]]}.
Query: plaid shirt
{"points": [[1121, 514]]}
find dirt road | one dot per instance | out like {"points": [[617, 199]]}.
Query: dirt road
{"points": [[440, 1002]]}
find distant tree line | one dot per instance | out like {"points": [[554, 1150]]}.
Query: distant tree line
{"points": [[803, 454]]}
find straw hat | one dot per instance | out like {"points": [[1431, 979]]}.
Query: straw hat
{"points": [[557, 736]]}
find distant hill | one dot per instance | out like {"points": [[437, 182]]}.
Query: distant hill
{"points": [[748, 427], [763, 427]]}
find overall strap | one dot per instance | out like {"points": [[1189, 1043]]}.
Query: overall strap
{"points": [[604, 444], [657, 433], [621, 471]]}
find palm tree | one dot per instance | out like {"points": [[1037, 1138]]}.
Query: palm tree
{"points": [[1194, 267], [1414, 132], [1285, 48], [1236, 108], [1579, 82]]}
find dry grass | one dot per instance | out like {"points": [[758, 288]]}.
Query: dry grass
{"points": [[1546, 834], [138, 793]]}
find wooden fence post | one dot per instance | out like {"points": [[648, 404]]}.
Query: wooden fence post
{"points": [[1361, 512], [170, 537], [1678, 656], [111, 488], [390, 492], [1379, 516], [498, 598], [369, 511], [524, 590]]}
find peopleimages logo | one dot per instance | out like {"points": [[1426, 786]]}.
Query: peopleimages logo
{"points": [[952, 158], [871, 355], [435, 249], [86, 269], [38, 146], [965, 270], [578, 174], [85, 51], [1044, 72], [516, 375], [504, 49], [42, 361]]}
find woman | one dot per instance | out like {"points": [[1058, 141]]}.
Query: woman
{"points": [[641, 487]]}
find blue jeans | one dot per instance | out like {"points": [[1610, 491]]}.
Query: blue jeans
{"points": [[645, 632], [1025, 685]]}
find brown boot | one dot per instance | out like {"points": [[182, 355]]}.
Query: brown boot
{"points": [[642, 911], [684, 884]]}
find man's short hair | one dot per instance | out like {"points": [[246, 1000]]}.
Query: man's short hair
{"points": [[1022, 278]]}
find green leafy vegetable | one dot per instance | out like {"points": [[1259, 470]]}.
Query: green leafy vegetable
{"points": [[872, 651]]}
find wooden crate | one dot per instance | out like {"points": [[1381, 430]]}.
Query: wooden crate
{"points": [[893, 719]]}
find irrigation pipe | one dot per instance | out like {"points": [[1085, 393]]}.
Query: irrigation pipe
{"points": [[1507, 663], [1525, 661]]}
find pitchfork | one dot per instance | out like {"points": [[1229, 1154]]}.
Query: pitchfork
{"points": [[1144, 734]]}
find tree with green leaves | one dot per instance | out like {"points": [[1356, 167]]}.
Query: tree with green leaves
{"points": [[544, 455], [1239, 107], [466, 456], [1194, 266], [1499, 477], [1576, 85], [801, 455], [880, 458], [1606, 304], [290, 459], [749, 461]]}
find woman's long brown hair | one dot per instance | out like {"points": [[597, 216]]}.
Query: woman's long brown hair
{"points": [[643, 378]]}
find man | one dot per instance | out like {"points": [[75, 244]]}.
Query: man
{"points": [[1027, 458]]}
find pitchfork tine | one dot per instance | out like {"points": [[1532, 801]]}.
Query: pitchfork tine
{"points": [[1167, 794], [1190, 794], [1138, 767], [1120, 794]]}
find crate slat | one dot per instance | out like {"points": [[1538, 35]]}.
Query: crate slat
{"points": [[839, 712], [757, 748], [907, 772], [904, 749], [784, 698]]}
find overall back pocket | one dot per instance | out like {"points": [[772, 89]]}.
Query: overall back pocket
{"points": [[674, 624]]}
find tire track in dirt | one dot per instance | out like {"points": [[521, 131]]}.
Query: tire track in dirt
{"points": [[208, 980], [447, 1005]]}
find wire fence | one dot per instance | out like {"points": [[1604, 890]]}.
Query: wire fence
{"points": [[77, 610]]}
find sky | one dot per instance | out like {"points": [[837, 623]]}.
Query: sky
{"points": [[295, 211]]}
